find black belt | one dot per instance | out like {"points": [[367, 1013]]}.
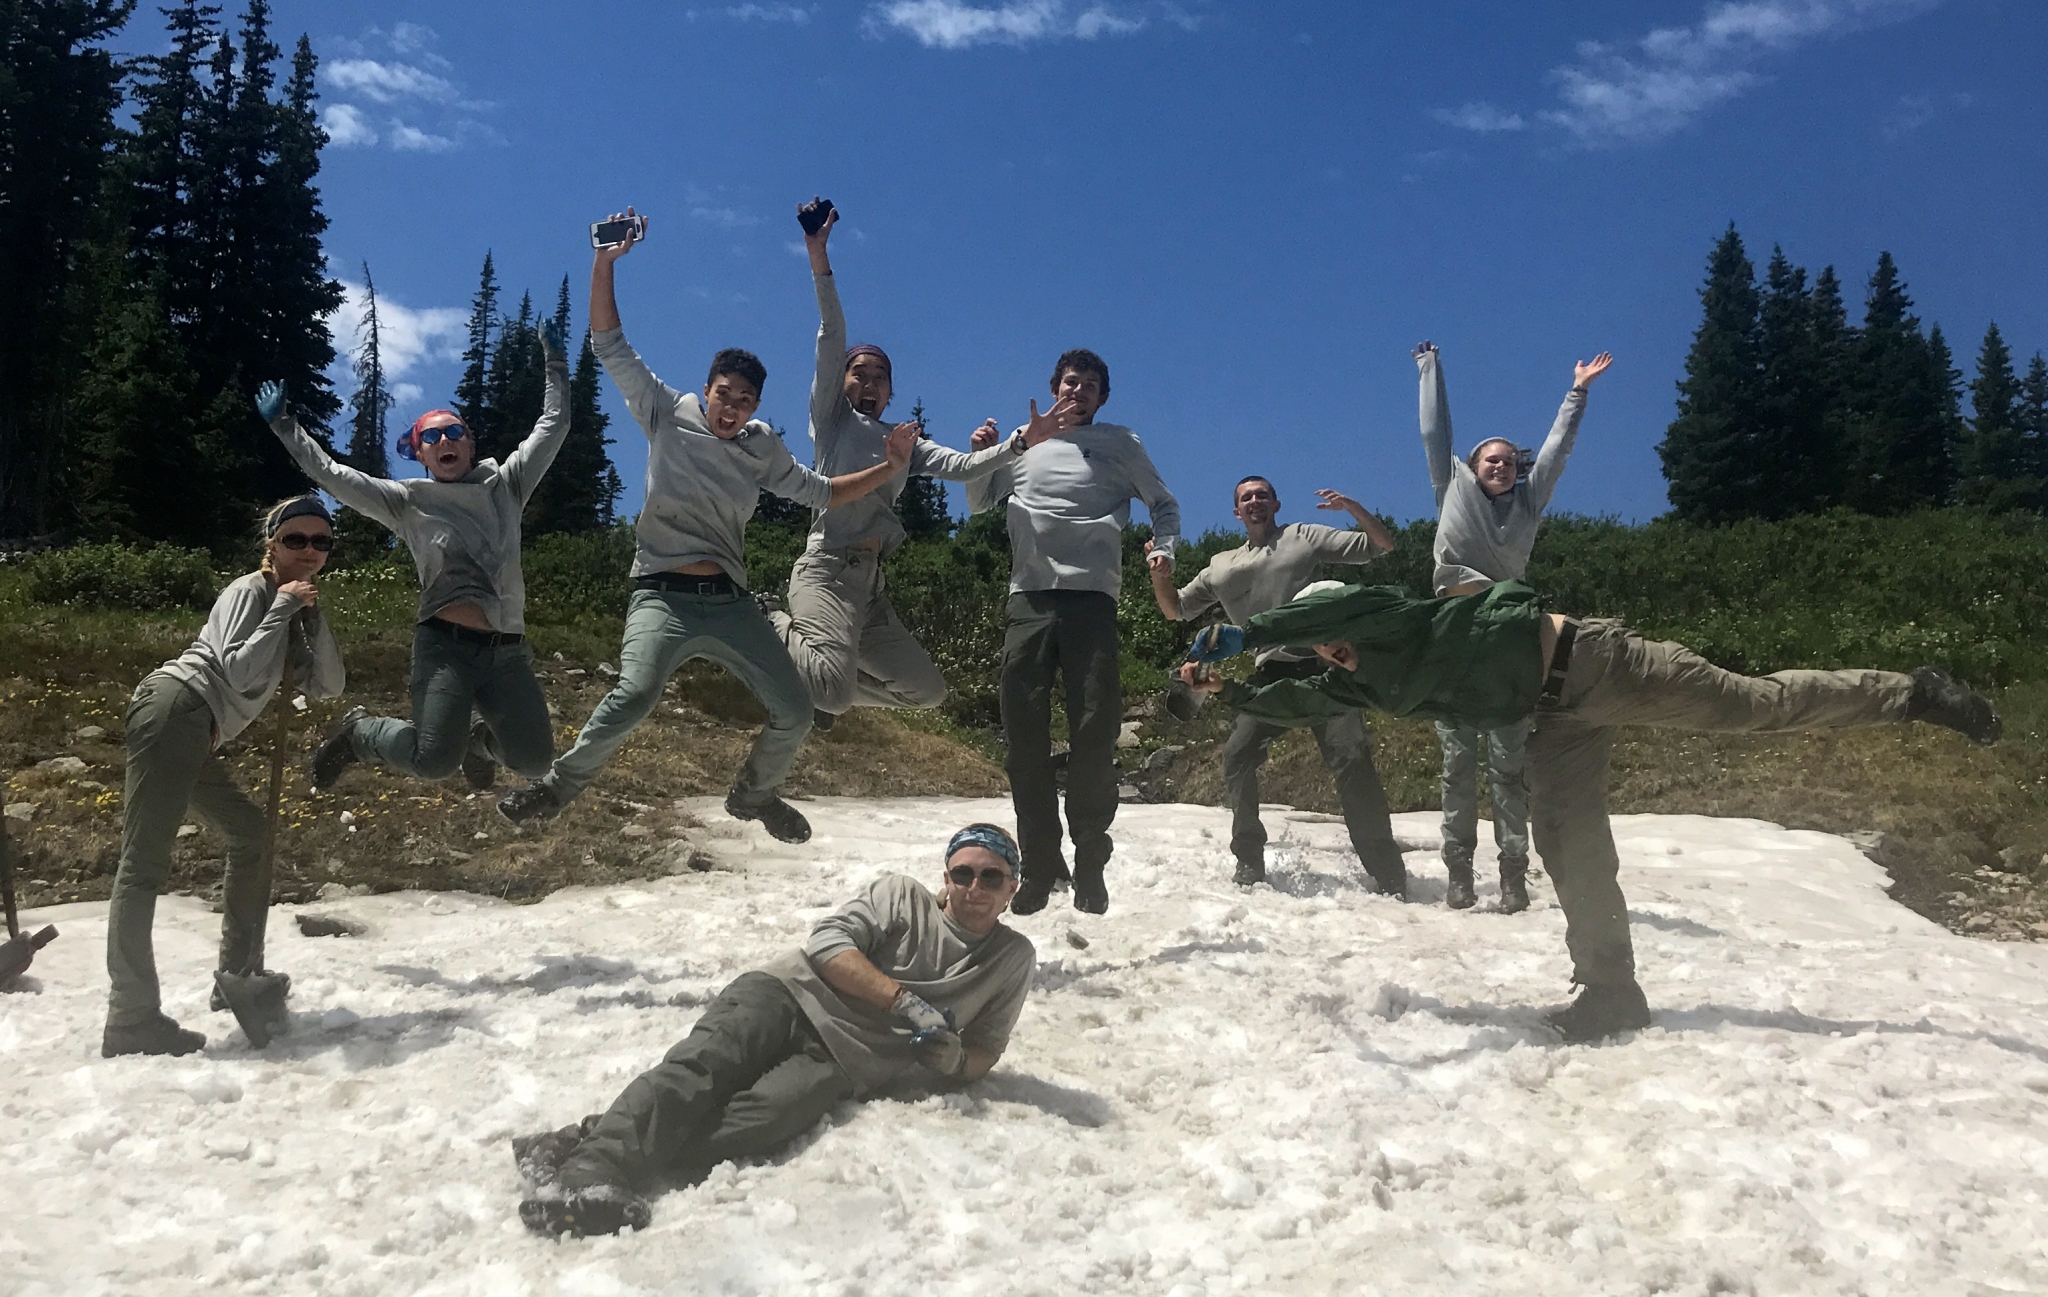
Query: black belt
{"points": [[1560, 663], [683, 583], [468, 635]]}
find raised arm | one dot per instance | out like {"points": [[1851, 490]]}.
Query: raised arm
{"points": [[379, 498], [929, 458], [1367, 534], [645, 395], [530, 462], [1564, 430], [1436, 419], [828, 385]]}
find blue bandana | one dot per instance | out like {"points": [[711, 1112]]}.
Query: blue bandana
{"points": [[991, 840]]}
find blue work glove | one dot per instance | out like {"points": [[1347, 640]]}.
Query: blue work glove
{"points": [[270, 400], [554, 340], [1214, 643]]}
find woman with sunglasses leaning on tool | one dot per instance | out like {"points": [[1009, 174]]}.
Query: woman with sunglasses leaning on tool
{"points": [[180, 715], [469, 650]]}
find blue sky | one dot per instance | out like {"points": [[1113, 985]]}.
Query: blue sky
{"points": [[1251, 210]]}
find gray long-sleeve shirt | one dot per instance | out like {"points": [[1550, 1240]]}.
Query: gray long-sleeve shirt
{"points": [[1481, 537], [238, 659], [464, 535], [899, 926], [847, 441], [1252, 579], [1069, 498], [701, 487]]}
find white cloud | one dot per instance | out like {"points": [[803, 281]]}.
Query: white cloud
{"points": [[1914, 111], [388, 82], [411, 139], [770, 13], [954, 24], [1620, 93], [407, 395], [727, 217], [1481, 117], [346, 126], [406, 337]]}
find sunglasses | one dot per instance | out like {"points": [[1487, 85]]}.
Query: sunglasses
{"points": [[299, 540], [992, 880], [452, 431]]}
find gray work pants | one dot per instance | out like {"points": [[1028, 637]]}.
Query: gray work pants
{"points": [[1071, 635], [1619, 678], [845, 638], [1346, 746], [752, 1075], [451, 676], [1507, 766], [172, 768], [666, 628]]}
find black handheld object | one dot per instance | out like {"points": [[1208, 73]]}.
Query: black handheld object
{"points": [[609, 234], [813, 215]]}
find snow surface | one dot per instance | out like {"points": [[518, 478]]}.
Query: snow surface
{"points": [[1300, 1089]]}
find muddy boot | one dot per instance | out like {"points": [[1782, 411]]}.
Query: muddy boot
{"points": [[1514, 885], [1389, 884], [479, 771], [785, 823], [158, 1035], [1458, 895], [540, 1157], [1602, 1011], [1938, 700], [1250, 873], [1091, 894], [604, 1209], [1032, 894]]}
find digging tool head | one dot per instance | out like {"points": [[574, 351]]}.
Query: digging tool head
{"points": [[257, 1001], [18, 951]]}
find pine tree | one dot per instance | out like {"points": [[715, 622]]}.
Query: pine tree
{"points": [[581, 491], [922, 505], [1898, 397], [1710, 451], [516, 386], [1795, 450], [370, 407], [59, 89], [2032, 416], [472, 390], [1991, 461]]}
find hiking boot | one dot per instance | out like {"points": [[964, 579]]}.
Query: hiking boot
{"points": [[478, 769], [157, 1035], [1514, 886], [1940, 700], [1032, 894], [1250, 873], [1394, 885], [1458, 894], [606, 1209], [536, 801], [822, 720], [539, 1157], [337, 752], [1602, 1011], [218, 1001], [1091, 896], [785, 823]]}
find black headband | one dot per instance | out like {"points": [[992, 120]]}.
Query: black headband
{"points": [[306, 506]]}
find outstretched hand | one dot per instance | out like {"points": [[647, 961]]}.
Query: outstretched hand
{"points": [[1201, 679], [1586, 371], [1423, 348], [897, 445], [270, 400], [1339, 502], [1063, 415], [554, 341], [988, 434], [613, 251]]}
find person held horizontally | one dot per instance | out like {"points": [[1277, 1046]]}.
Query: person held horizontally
{"points": [[1068, 501], [896, 987], [1494, 658], [469, 651], [1488, 508], [708, 461], [180, 715], [1276, 560]]}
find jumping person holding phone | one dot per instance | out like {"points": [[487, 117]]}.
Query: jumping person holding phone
{"points": [[1488, 508], [469, 650], [841, 631], [708, 460], [179, 716], [1067, 503]]}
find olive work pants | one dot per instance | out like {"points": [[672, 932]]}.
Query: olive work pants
{"points": [[1617, 678], [1346, 746], [752, 1075], [1507, 776], [452, 677], [1069, 635], [846, 640], [171, 769]]}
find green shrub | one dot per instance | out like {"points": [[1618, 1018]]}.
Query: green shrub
{"points": [[119, 577], [570, 575]]}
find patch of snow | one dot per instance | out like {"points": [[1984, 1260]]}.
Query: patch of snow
{"points": [[1303, 1088]]}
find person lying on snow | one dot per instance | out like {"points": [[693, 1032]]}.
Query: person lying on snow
{"points": [[897, 986], [1494, 658]]}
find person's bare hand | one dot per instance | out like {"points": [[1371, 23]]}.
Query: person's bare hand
{"points": [[304, 591], [988, 434], [1158, 560], [1339, 502], [896, 446], [1423, 348], [1064, 413], [1586, 371], [1201, 679], [617, 250], [1340, 654], [824, 233]]}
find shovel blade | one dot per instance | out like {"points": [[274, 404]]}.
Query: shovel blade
{"points": [[257, 1001]]}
